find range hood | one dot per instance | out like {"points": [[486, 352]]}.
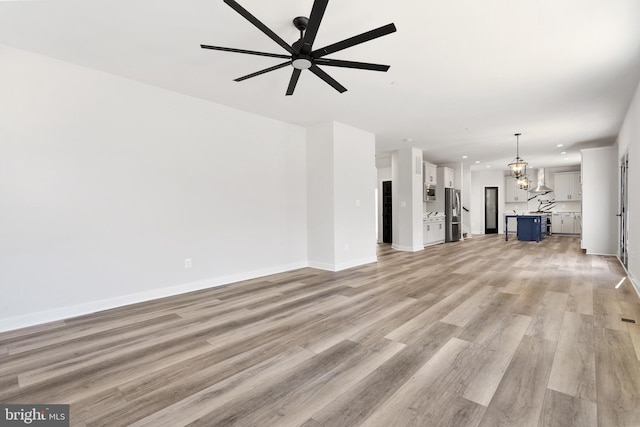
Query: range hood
{"points": [[541, 188]]}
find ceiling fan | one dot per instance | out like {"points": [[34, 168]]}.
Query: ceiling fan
{"points": [[301, 54]]}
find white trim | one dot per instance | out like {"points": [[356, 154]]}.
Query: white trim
{"points": [[634, 283], [322, 266], [356, 263], [344, 265], [62, 313], [407, 248]]}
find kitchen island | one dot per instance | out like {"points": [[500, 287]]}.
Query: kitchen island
{"points": [[532, 227]]}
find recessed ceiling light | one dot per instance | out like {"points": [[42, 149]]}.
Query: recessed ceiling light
{"points": [[477, 162], [465, 157], [563, 152], [560, 145], [488, 166], [408, 139]]}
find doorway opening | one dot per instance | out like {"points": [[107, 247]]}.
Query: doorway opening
{"points": [[490, 210], [624, 217], [386, 212]]}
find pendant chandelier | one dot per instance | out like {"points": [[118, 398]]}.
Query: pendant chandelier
{"points": [[523, 182], [518, 167]]}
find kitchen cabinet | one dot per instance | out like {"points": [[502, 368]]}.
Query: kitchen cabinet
{"points": [[432, 231], [529, 227], [556, 223], [429, 171], [566, 223], [513, 194], [568, 187], [448, 177], [532, 227]]}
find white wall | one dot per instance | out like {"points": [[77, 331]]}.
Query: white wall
{"points": [[407, 200], [465, 188], [480, 180], [341, 182], [600, 200], [629, 140], [107, 185], [321, 218], [354, 183]]}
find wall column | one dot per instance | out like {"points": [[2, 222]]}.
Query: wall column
{"points": [[341, 196], [406, 171]]}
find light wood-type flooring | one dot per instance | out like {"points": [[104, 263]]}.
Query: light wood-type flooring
{"points": [[475, 333]]}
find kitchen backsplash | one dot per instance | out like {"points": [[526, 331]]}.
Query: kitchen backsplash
{"points": [[545, 203]]}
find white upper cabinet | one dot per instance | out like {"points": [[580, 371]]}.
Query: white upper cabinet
{"points": [[429, 171], [512, 193], [568, 186], [448, 175]]}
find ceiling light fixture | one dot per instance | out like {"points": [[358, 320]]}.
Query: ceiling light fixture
{"points": [[518, 167], [465, 157], [563, 152], [523, 182]]}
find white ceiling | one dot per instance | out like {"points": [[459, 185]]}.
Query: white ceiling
{"points": [[465, 74]]}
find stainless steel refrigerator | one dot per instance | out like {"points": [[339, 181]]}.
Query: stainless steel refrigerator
{"points": [[453, 214]]}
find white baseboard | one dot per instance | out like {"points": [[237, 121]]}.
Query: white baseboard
{"points": [[356, 263], [407, 248], [62, 313], [634, 282], [342, 266]]}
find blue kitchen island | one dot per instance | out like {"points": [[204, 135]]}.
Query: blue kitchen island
{"points": [[530, 227]]}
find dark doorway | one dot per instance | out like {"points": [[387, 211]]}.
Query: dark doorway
{"points": [[386, 212], [490, 210]]}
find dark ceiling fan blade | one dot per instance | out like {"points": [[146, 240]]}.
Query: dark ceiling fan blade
{"points": [[250, 52], [317, 12], [352, 41], [294, 81], [327, 78], [351, 64], [266, 70], [255, 21]]}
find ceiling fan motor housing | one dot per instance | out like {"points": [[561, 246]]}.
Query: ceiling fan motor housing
{"points": [[301, 22]]}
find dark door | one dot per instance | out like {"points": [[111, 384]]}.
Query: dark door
{"points": [[490, 210], [386, 212]]}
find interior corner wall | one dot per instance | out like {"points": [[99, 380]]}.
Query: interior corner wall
{"points": [[629, 141], [341, 198], [320, 201], [600, 200], [108, 185]]}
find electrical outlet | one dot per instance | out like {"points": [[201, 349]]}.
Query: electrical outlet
{"points": [[187, 263]]}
